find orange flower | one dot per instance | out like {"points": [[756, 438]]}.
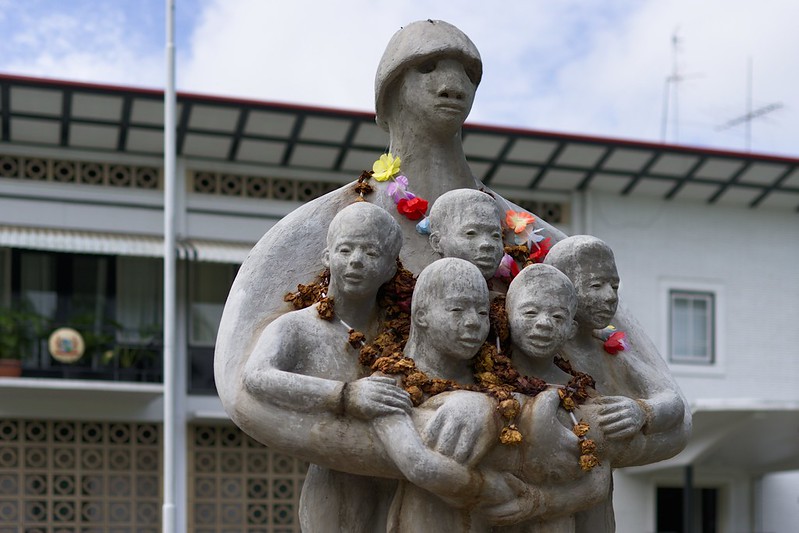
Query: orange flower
{"points": [[518, 220]]}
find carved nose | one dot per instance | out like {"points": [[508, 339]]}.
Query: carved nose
{"points": [[451, 92]]}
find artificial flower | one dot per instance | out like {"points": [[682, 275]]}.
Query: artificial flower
{"points": [[507, 269], [386, 167], [398, 189], [413, 209], [541, 251], [423, 226], [518, 220], [615, 343]]}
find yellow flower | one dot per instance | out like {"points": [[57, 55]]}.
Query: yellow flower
{"points": [[386, 167], [518, 220]]}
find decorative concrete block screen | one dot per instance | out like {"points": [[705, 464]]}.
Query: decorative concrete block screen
{"points": [[79, 477], [237, 485]]}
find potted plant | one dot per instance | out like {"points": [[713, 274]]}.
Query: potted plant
{"points": [[20, 327]]}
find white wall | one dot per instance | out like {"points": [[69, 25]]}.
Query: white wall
{"points": [[779, 503], [752, 254]]}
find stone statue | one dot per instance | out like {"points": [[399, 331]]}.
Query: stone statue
{"points": [[287, 379], [467, 223]]}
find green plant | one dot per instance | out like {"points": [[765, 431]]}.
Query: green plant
{"points": [[20, 328]]}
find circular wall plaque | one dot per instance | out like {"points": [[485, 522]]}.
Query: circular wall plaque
{"points": [[66, 345]]}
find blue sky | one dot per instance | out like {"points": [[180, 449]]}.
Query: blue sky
{"points": [[574, 66]]}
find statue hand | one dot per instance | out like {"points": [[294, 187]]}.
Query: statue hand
{"points": [[509, 500], [375, 396], [459, 426], [618, 416]]}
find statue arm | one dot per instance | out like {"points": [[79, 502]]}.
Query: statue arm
{"points": [[546, 501], [268, 374]]}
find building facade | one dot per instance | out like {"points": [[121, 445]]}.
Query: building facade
{"points": [[706, 243]]}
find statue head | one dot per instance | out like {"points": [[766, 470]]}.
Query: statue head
{"points": [[449, 308], [363, 242], [416, 46], [541, 304], [590, 265], [467, 223]]}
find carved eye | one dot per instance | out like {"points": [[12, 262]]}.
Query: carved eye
{"points": [[471, 233], [427, 67]]}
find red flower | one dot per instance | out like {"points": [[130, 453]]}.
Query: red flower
{"points": [[541, 251], [615, 343], [413, 209]]}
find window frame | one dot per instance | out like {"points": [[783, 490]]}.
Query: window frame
{"points": [[716, 364], [691, 296]]}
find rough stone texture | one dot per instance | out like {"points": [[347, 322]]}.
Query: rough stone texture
{"points": [[424, 90]]}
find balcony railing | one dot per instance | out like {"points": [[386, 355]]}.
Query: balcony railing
{"points": [[114, 362]]}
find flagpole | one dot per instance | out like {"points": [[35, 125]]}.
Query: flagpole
{"points": [[170, 278]]}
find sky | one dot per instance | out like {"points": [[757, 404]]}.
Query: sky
{"points": [[571, 66]]}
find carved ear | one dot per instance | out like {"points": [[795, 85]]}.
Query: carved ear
{"points": [[326, 258], [435, 242], [572, 330], [420, 318]]}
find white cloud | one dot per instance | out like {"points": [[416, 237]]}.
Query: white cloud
{"points": [[573, 66]]}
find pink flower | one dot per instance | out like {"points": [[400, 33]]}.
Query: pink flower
{"points": [[398, 189], [508, 269]]}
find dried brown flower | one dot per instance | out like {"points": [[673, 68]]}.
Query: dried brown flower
{"points": [[581, 429], [356, 338], [589, 461], [519, 252], [417, 396], [587, 447], [325, 308], [498, 318], [510, 435], [509, 409]]}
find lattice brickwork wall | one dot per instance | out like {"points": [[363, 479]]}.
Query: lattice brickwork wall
{"points": [[79, 477], [86, 172], [237, 485]]}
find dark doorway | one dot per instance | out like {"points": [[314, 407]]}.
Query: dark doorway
{"points": [[670, 510]]}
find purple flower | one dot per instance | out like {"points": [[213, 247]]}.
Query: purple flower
{"points": [[398, 189]]}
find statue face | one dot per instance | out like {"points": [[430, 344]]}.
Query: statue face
{"points": [[437, 93], [540, 320], [457, 324], [597, 288], [475, 236], [358, 262]]}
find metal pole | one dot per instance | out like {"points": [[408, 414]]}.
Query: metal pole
{"points": [[170, 277]]}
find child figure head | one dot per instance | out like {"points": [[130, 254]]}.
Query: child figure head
{"points": [[589, 264], [363, 242], [449, 309], [541, 304], [467, 223]]}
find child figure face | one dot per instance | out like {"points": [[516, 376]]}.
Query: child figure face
{"points": [[597, 292], [473, 234], [457, 324], [541, 321], [359, 263]]}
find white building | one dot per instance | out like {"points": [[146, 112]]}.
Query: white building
{"points": [[707, 245]]}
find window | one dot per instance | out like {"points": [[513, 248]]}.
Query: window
{"points": [[210, 284], [692, 327], [671, 515]]}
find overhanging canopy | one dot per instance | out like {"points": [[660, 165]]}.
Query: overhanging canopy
{"points": [[310, 139], [86, 242]]}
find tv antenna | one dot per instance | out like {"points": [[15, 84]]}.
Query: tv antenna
{"points": [[751, 114], [671, 91]]}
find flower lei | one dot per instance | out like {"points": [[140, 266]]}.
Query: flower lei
{"points": [[529, 245], [614, 341], [409, 205]]}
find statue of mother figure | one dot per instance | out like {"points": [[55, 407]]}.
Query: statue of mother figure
{"points": [[424, 90]]}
